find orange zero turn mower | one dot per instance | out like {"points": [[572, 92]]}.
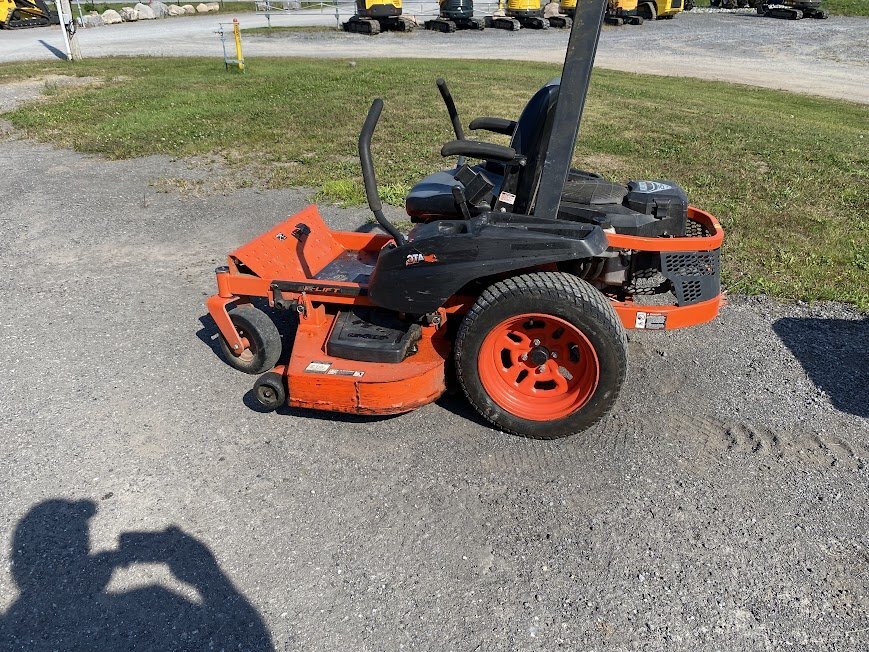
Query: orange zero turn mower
{"points": [[521, 275]]}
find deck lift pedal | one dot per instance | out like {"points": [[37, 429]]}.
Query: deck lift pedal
{"points": [[520, 277]]}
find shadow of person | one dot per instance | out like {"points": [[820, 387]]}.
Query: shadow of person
{"points": [[63, 603], [835, 356]]}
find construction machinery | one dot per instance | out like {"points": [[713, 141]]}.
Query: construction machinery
{"points": [[375, 16], [455, 14], [792, 9], [525, 13], [517, 281], [19, 14], [655, 9], [618, 12]]}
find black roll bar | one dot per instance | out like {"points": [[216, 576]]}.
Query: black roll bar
{"points": [[575, 77], [368, 176]]}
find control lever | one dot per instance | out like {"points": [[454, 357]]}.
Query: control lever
{"points": [[459, 196]]}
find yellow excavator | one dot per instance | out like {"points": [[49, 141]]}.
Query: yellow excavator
{"points": [[618, 12], [19, 14], [375, 16], [516, 14]]}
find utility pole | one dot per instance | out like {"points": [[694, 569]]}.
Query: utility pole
{"points": [[67, 24]]}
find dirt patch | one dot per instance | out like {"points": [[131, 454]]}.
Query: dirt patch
{"points": [[16, 93]]}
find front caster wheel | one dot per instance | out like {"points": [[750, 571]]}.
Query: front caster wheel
{"points": [[541, 355], [269, 391], [260, 338]]}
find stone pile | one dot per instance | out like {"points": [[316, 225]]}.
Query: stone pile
{"points": [[154, 9]]}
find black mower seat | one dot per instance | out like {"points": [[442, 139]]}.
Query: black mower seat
{"points": [[433, 196]]}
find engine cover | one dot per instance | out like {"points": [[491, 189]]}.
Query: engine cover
{"points": [[664, 199]]}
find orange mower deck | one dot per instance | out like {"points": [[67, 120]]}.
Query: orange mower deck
{"points": [[288, 272]]}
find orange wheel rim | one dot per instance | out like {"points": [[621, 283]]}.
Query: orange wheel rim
{"points": [[538, 367]]}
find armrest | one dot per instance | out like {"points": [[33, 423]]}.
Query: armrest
{"points": [[485, 151], [495, 125]]}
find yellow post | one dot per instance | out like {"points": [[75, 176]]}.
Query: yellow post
{"points": [[238, 55]]}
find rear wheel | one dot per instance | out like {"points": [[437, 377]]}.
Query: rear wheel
{"points": [[259, 337], [541, 355]]}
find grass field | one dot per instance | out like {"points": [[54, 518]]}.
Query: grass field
{"points": [[785, 173], [847, 7], [834, 7]]}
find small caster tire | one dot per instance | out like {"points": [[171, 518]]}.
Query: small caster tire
{"points": [[269, 391], [263, 342]]}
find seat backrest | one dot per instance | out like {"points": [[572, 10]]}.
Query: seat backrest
{"points": [[531, 140]]}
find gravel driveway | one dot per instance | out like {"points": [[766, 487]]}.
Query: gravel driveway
{"points": [[828, 58], [722, 506]]}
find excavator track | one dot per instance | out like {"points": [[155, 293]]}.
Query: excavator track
{"points": [[560, 22], [357, 25], [19, 22], [440, 25], [502, 22], [535, 23], [797, 12]]}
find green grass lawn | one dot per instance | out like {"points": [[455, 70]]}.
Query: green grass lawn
{"points": [[834, 7], [785, 173], [847, 7]]}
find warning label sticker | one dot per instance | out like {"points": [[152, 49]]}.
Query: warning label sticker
{"points": [[650, 321], [317, 367], [345, 372], [652, 186], [507, 198]]}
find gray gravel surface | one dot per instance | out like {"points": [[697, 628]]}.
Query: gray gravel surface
{"points": [[820, 57], [722, 505]]}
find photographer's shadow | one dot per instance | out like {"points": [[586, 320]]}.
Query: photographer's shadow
{"points": [[834, 354], [63, 603]]}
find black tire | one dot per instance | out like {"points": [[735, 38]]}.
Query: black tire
{"points": [[560, 295], [262, 334], [269, 391], [647, 11]]}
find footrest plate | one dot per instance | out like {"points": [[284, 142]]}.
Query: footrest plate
{"points": [[372, 335]]}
